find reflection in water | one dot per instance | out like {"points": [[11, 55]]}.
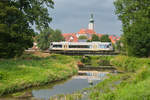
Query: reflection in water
{"points": [[75, 84]]}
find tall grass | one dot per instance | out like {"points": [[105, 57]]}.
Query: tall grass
{"points": [[132, 85], [29, 70]]}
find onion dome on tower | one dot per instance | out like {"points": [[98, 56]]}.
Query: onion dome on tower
{"points": [[91, 23]]}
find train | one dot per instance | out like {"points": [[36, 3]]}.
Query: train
{"points": [[84, 47]]}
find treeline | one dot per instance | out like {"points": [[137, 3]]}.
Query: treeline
{"points": [[103, 38], [16, 20], [135, 17]]}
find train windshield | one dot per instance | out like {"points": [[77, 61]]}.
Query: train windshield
{"points": [[57, 46]]}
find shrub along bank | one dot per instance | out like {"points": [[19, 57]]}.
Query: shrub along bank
{"points": [[133, 84], [96, 61], [29, 71]]}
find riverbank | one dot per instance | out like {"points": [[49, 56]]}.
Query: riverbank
{"points": [[133, 84], [31, 71]]}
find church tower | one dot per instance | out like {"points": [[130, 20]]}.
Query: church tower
{"points": [[91, 23]]}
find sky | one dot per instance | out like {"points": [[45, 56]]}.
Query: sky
{"points": [[71, 15]]}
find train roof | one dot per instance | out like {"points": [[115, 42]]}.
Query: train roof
{"points": [[80, 43]]}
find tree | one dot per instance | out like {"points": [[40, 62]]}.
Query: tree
{"points": [[16, 34], [105, 38], [82, 37], [95, 38], [48, 35], [56, 36], [135, 17], [43, 39], [35, 11], [16, 20]]}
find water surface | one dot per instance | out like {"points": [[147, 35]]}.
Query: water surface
{"points": [[76, 83]]}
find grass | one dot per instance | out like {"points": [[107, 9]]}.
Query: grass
{"points": [[30, 70], [132, 85]]}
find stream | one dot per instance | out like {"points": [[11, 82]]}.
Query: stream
{"points": [[76, 83]]}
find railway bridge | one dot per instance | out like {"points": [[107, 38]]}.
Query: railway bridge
{"points": [[75, 52]]}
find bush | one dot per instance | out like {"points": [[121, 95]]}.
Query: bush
{"points": [[86, 59], [1, 75]]}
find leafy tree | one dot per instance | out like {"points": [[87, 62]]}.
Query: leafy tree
{"points": [[56, 36], [82, 37], [105, 38], [118, 46], [135, 17], [16, 34], [48, 35], [35, 11], [95, 38], [16, 18], [43, 39]]}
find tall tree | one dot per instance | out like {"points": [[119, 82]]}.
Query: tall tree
{"points": [[48, 35], [95, 38], [105, 38], [43, 39], [16, 18], [35, 11], [16, 34], [56, 36], [135, 17]]}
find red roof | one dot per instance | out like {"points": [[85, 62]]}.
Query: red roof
{"points": [[86, 31], [114, 39], [70, 37], [99, 35]]}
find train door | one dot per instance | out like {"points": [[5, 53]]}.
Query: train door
{"points": [[94, 46], [65, 46]]}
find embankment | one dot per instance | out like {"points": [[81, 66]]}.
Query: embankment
{"points": [[30, 71], [133, 84]]}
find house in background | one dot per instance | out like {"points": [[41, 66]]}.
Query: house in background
{"points": [[70, 37]]}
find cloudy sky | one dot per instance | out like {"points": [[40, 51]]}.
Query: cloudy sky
{"points": [[72, 15]]}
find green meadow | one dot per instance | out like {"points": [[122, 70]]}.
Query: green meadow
{"points": [[31, 71]]}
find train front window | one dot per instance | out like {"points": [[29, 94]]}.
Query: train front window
{"points": [[57, 46], [103, 46], [79, 46]]}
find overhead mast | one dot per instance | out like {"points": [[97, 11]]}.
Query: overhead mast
{"points": [[91, 23]]}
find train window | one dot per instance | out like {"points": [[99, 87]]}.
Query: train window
{"points": [[57, 46], [103, 46], [107, 46], [79, 46]]}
